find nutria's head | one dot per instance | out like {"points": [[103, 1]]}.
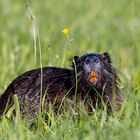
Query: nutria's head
{"points": [[95, 72], [94, 69]]}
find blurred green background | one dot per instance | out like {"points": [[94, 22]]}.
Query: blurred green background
{"points": [[95, 26]]}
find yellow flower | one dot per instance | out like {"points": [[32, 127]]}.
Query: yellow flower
{"points": [[65, 31]]}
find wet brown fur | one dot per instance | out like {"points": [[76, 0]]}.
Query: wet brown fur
{"points": [[60, 85]]}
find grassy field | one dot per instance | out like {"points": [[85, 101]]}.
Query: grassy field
{"points": [[95, 26]]}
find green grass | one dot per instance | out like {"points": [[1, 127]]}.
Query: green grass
{"points": [[95, 26]]}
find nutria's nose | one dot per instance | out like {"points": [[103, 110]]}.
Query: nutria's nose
{"points": [[92, 67]]}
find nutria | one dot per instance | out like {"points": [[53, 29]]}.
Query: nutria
{"points": [[91, 80]]}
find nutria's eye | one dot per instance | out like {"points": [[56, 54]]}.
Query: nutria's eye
{"points": [[87, 61], [96, 60]]}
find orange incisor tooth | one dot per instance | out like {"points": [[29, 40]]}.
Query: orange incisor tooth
{"points": [[93, 75]]}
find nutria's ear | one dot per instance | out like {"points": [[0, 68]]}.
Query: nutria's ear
{"points": [[76, 59], [106, 57]]}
